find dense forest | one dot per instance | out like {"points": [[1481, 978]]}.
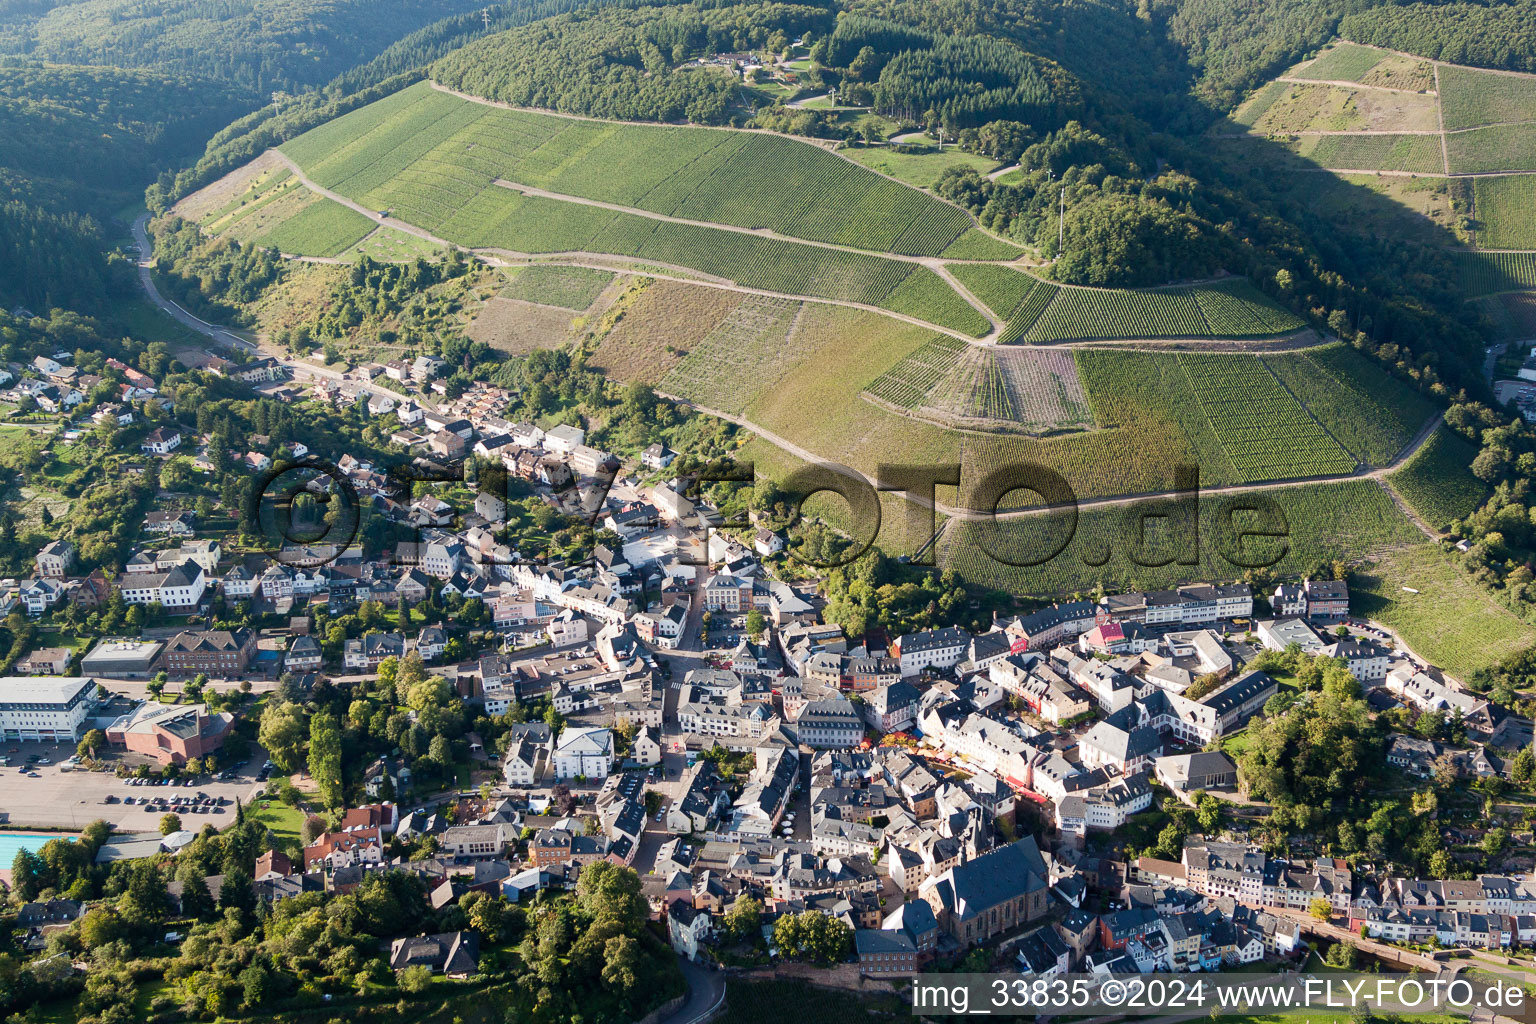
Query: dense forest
{"points": [[1494, 35], [624, 63], [254, 46], [95, 138]]}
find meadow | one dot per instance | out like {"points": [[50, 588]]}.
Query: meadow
{"points": [[1504, 206], [920, 169], [574, 288], [390, 245], [1444, 615], [1114, 545], [1436, 481], [1470, 98], [1373, 415]]}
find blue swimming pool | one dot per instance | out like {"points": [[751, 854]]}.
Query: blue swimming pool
{"points": [[12, 843]]}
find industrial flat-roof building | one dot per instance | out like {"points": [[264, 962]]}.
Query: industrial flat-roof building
{"points": [[51, 708], [118, 658]]}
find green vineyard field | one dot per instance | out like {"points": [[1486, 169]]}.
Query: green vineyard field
{"points": [[1437, 483], [1320, 522], [1371, 414], [1265, 432], [751, 180]]}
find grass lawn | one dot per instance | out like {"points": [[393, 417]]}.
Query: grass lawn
{"points": [[145, 321], [919, 169], [284, 821]]}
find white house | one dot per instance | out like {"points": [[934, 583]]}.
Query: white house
{"points": [[586, 752]]}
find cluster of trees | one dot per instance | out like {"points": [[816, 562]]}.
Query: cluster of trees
{"points": [[1493, 35], [342, 727], [593, 956], [1319, 759], [394, 303], [940, 78], [1317, 748], [623, 62], [95, 136], [875, 591], [813, 936], [1082, 198], [212, 277]]}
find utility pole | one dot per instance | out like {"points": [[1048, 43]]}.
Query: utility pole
{"points": [[941, 139], [1061, 223], [485, 16]]}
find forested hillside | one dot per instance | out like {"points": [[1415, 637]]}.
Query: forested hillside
{"points": [[619, 63], [255, 46], [95, 138], [1493, 35]]}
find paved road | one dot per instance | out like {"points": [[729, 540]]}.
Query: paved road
{"points": [[146, 263], [706, 992]]}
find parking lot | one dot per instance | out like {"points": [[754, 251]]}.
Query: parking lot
{"points": [[62, 798]]}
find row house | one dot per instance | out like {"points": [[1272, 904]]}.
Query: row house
{"points": [[181, 589], [1190, 604], [1049, 627], [934, 648]]}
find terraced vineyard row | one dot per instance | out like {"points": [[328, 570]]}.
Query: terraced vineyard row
{"points": [[928, 296], [1030, 308], [746, 180], [499, 218], [976, 244], [1438, 483], [442, 178], [1265, 432], [1483, 273], [1082, 313], [1225, 309], [909, 382], [1236, 309], [1001, 288], [746, 354], [1372, 420]]}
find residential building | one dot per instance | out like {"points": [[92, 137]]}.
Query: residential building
{"points": [[583, 752], [214, 652]]}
